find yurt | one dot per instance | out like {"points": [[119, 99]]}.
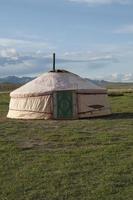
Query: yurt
{"points": [[58, 94]]}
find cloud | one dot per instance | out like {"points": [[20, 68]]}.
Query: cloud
{"points": [[119, 77], [25, 45], [127, 29], [9, 53], [103, 2], [23, 57], [15, 62], [92, 57]]}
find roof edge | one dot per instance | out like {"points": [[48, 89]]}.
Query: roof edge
{"points": [[83, 91]]}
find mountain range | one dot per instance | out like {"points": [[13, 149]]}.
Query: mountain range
{"points": [[16, 80], [23, 80]]}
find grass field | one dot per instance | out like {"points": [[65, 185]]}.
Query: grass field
{"points": [[68, 160]]}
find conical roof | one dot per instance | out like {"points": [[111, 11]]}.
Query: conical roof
{"points": [[54, 81]]}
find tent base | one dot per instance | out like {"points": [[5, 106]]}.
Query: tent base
{"points": [[14, 114]]}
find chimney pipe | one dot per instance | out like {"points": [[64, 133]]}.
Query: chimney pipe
{"points": [[53, 62]]}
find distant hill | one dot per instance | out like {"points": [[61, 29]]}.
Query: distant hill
{"points": [[16, 80], [98, 82], [8, 87], [22, 80]]}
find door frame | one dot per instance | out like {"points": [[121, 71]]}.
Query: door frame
{"points": [[74, 102]]}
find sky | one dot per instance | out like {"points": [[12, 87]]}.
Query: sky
{"points": [[92, 38]]}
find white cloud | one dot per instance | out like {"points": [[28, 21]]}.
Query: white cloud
{"points": [[91, 56], [9, 53], [21, 56], [102, 2], [18, 57], [26, 45], [127, 29], [119, 77]]}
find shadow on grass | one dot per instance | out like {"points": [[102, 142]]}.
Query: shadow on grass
{"points": [[126, 115]]}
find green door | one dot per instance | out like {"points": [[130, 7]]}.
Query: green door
{"points": [[64, 101]]}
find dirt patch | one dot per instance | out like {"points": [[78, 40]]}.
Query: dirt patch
{"points": [[30, 144]]}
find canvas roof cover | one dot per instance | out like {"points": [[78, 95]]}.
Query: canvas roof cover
{"points": [[54, 81]]}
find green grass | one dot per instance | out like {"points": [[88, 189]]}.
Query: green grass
{"points": [[68, 160], [117, 85]]}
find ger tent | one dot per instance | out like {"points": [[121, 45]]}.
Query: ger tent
{"points": [[58, 94]]}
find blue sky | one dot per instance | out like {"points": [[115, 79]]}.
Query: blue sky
{"points": [[93, 38]]}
